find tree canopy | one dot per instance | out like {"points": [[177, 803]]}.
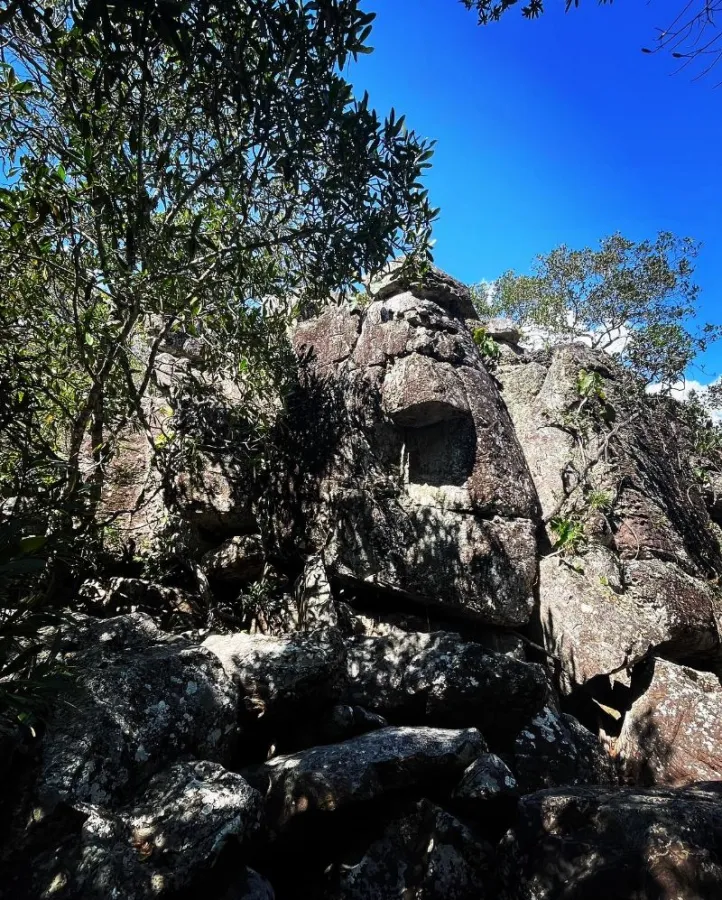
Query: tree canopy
{"points": [[155, 182], [201, 168], [636, 299]]}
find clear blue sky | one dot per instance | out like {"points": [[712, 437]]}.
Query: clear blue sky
{"points": [[555, 130]]}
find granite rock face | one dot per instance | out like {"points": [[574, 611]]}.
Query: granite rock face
{"points": [[415, 654], [327, 779], [595, 843], [603, 458], [672, 735], [136, 706], [421, 488], [425, 854], [440, 679]]}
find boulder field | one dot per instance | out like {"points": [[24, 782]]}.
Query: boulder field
{"points": [[473, 647]]}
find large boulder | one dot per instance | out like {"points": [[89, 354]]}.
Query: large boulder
{"points": [[329, 778], [440, 679], [672, 735], [160, 843], [275, 675], [433, 285], [555, 750], [426, 854], [595, 843], [140, 701], [412, 481], [609, 466]]}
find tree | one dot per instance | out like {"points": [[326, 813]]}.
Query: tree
{"points": [[157, 181], [633, 299], [199, 167], [693, 35]]}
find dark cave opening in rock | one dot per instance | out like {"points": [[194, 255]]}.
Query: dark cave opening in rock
{"points": [[442, 453]]}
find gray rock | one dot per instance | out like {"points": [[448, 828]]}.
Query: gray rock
{"points": [[276, 674], [440, 679], [133, 710], [366, 768], [159, 843], [640, 582], [502, 329], [554, 750], [314, 599], [413, 480], [434, 285], [603, 615], [487, 778], [217, 497], [426, 854], [595, 843], [238, 559], [672, 735], [419, 390]]}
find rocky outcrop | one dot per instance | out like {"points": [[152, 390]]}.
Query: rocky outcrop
{"points": [[159, 843], [634, 580], [137, 705], [413, 654], [423, 854], [421, 489], [553, 750], [440, 679], [673, 732]]}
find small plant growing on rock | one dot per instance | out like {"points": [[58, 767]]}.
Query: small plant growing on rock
{"points": [[488, 347], [569, 535], [601, 501], [590, 385]]}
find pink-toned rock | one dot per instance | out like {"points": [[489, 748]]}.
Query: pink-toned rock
{"points": [[673, 733]]}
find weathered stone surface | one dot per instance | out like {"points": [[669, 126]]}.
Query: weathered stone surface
{"points": [[420, 486], [313, 596], [606, 459], [425, 855], [672, 735], [502, 329], [440, 679], [160, 842], [605, 615], [594, 844], [326, 779], [378, 623], [554, 750], [419, 390], [275, 675], [330, 338], [487, 778], [217, 497], [133, 710], [434, 285], [238, 559]]}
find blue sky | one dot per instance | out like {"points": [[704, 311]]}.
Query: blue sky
{"points": [[553, 131]]}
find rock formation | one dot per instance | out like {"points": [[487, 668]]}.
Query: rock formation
{"points": [[458, 639]]}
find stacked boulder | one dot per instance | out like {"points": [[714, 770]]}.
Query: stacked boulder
{"points": [[440, 695]]}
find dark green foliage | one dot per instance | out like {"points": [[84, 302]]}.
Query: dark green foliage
{"points": [[197, 169]]}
